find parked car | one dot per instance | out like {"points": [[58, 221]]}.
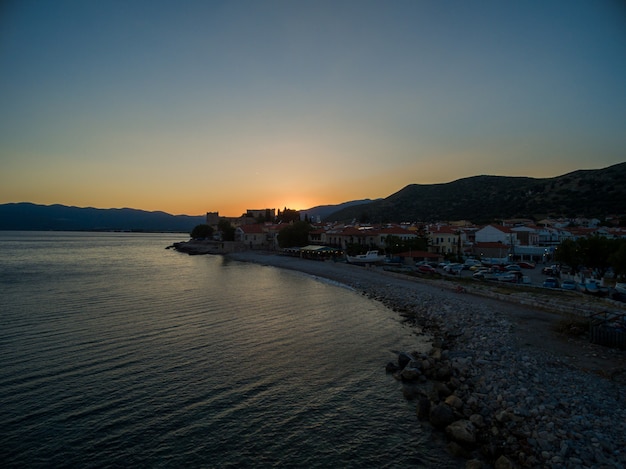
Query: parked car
{"points": [[454, 269], [526, 265], [551, 282], [552, 270], [511, 277], [513, 268], [568, 285], [426, 269]]}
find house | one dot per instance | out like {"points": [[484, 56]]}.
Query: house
{"points": [[497, 234], [253, 236], [444, 239], [403, 234]]}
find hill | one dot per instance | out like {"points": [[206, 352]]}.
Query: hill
{"points": [[587, 193], [324, 211], [27, 216]]}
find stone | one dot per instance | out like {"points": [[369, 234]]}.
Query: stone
{"points": [[503, 463], [441, 416], [443, 372], [462, 431], [457, 450], [410, 374], [474, 464], [477, 420], [440, 390], [391, 367], [423, 408], [454, 401], [404, 358]]}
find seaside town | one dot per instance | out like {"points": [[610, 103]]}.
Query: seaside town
{"points": [[499, 251]]}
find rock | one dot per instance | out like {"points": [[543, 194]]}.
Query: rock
{"points": [[454, 401], [503, 463], [474, 464], [477, 420], [410, 374], [440, 390], [410, 392], [462, 431], [404, 358], [391, 367], [423, 408], [457, 450], [443, 372], [441, 416]]}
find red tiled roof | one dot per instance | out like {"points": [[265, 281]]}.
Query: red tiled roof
{"points": [[252, 229]]}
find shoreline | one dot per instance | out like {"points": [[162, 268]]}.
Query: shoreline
{"points": [[502, 387]]}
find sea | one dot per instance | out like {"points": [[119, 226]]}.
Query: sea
{"points": [[118, 352]]}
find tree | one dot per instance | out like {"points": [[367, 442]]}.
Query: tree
{"points": [[201, 231], [227, 230], [296, 234]]}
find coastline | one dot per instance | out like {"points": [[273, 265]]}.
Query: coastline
{"points": [[513, 393]]}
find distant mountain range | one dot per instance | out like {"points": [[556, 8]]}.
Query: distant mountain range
{"points": [[481, 199], [27, 216]]}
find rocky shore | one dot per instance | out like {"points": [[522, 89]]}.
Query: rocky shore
{"points": [[499, 384]]}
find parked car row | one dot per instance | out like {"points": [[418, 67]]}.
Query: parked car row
{"points": [[513, 273]]}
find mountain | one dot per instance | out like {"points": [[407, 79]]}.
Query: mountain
{"points": [[587, 193], [27, 216], [323, 211]]}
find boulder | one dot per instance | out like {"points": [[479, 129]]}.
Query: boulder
{"points": [[477, 420], [404, 358], [462, 431], [441, 416], [443, 372], [410, 374], [391, 367], [503, 463], [457, 450], [454, 401], [423, 408], [440, 390]]}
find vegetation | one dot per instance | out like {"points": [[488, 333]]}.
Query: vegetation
{"points": [[227, 230], [595, 252], [294, 235], [201, 231], [395, 244], [288, 216]]}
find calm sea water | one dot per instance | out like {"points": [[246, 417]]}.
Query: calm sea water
{"points": [[115, 352]]}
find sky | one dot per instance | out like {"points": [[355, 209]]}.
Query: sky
{"points": [[195, 106]]}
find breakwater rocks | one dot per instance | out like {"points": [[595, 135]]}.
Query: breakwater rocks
{"points": [[499, 406], [197, 247]]}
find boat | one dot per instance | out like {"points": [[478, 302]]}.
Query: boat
{"points": [[370, 257]]}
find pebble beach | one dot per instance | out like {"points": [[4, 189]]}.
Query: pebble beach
{"points": [[497, 394]]}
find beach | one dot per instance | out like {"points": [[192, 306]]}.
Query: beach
{"points": [[503, 386]]}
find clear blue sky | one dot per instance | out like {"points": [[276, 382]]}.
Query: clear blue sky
{"points": [[195, 106]]}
